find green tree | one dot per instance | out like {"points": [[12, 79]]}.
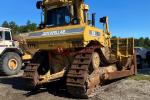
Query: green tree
{"points": [[31, 26], [147, 42], [141, 41], [136, 41], [113, 37], [22, 29], [13, 27], [5, 24]]}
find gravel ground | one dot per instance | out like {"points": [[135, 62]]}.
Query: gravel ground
{"points": [[125, 89], [12, 88]]}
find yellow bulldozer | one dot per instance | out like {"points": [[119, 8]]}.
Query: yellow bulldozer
{"points": [[69, 46]]}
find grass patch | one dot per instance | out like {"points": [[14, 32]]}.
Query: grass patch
{"points": [[139, 77]]}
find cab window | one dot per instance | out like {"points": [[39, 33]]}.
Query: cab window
{"points": [[58, 16], [7, 35], [1, 35]]}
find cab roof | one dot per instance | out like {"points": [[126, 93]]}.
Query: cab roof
{"points": [[4, 29]]}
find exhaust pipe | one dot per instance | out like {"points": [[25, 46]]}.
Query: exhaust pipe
{"points": [[93, 19]]}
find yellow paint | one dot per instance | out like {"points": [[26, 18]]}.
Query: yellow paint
{"points": [[53, 42], [26, 57], [82, 39], [65, 41]]}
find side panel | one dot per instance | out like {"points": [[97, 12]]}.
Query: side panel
{"points": [[94, 34], [54, 38]]}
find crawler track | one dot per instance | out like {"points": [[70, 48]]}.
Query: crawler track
{"points": [[80, 79], [31, 75]]}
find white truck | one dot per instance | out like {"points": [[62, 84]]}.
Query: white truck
{"points": [[141, 55], [10, 53]]}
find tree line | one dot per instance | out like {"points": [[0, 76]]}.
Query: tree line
{"points": [[17, 29], [141, 42]]}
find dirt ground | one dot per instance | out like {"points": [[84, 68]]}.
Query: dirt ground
{"points": [[13, 88]]}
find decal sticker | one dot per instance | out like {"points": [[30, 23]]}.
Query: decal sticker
{"points": [[58, 32], [94, 33]]}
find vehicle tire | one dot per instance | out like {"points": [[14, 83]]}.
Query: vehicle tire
{"points": [[139, 62], [10, 63]]}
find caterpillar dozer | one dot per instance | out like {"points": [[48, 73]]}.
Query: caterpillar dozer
{"points": [[69, 46]]}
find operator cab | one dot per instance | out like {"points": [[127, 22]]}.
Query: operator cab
{"points": [[5, 37], [62, 13], [5, 34]]}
